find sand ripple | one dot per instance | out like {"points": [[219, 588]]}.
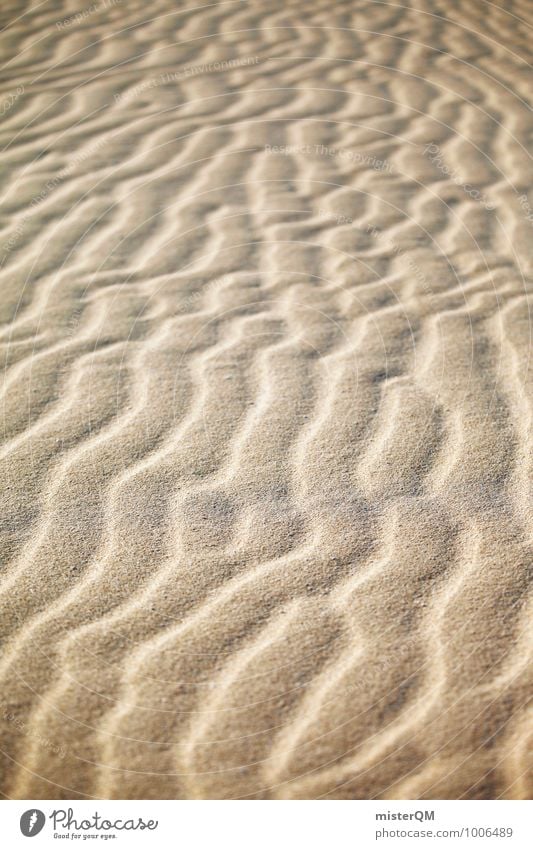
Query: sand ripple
{"points": [[266, 400]]}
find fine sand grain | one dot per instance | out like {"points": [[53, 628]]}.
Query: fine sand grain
{"points": [[266, 399]]}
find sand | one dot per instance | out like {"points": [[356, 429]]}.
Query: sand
{"points": [[266, 399]]}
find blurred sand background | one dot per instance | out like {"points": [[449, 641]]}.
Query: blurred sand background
{"points": [[266, 525]]}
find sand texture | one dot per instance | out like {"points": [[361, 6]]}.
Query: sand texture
{"points": [[266, 513]]}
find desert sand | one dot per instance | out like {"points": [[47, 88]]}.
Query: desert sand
{"points": [[266, 399]]}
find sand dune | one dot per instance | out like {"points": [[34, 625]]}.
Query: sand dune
{"points": [[266, 399]]}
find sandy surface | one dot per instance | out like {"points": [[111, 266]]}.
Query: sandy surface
{"points": [[266, 401]]}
